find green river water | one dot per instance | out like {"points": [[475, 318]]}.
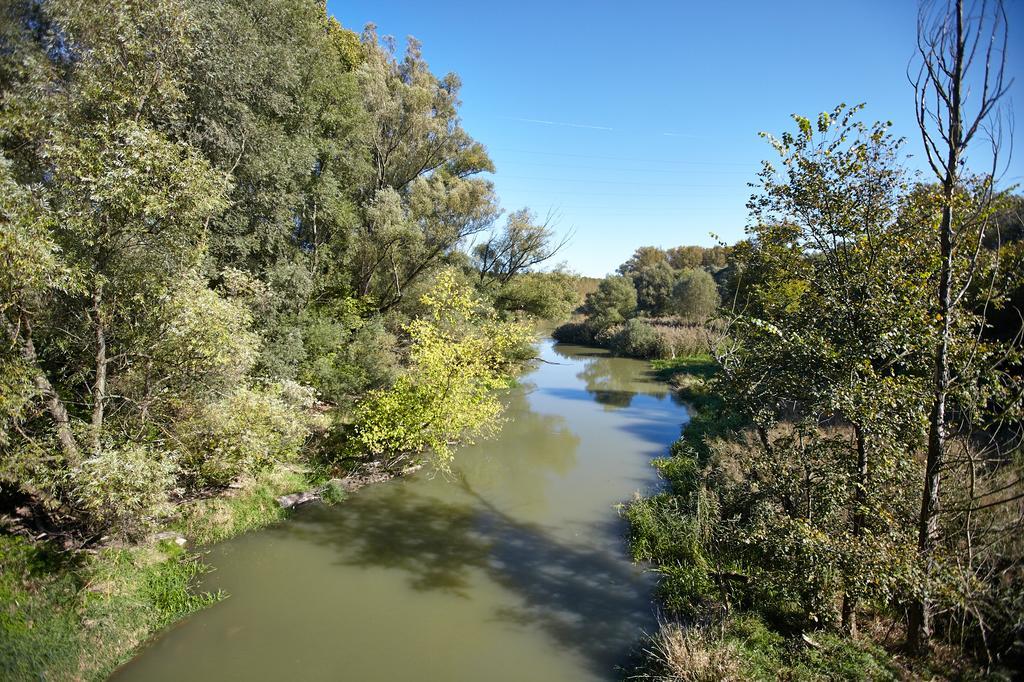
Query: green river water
{"points": [[513, 568]]}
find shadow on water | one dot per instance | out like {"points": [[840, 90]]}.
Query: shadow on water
{"points": [[653, 431], [590, 601]]}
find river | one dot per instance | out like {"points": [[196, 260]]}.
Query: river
{"points": [[512, 568]]}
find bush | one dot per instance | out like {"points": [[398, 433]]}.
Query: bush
{"points": [[346, 357], [689, 654], [247, 432], [459, 353], [123, 490], [612, 303], [654, 286], [579, 333], [542, 295], [638, 339]]}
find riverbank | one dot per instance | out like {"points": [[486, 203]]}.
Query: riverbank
{"points": [[80, 614], [710, 627]]}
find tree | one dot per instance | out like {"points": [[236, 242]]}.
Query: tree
{"points": [[643, 257], [273, 101], [695, 295], [460, 352], [522, 244], [653, 286], [685, 257], [832, 327], [423, 199], [612, 303], [128, 205], [542, 295], [959, 51]]}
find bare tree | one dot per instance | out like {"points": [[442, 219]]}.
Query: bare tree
{"points": [[959, 48], [522, 244]]}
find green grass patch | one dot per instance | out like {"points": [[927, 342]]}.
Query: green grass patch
{"points": [[701, 366], [766, 654], [254, 505], [77, 616]]}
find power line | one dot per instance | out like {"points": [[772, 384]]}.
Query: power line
{"points": [[610, 182], [632, 170], [626, 158]]}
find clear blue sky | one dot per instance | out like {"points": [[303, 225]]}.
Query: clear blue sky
{"points": [[637, 122]]}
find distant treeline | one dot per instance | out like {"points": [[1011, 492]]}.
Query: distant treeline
{"points": [[658, 306]]}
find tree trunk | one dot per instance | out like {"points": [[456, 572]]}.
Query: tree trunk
{"points": [[919, 625], [860, 500], [54, 405], [99, 390]]}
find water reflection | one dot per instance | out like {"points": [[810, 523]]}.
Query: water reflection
{"points": [[610, 382]]}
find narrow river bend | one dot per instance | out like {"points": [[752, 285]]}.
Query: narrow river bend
{"points": [[514, 569]]}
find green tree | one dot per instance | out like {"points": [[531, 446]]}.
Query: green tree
{"points": [[542, 295], [423, 199], [520, 245], [460, 352], [695, 295], [836, 281], [613, 302], [653, 284], [643, 257], [128, 205]]}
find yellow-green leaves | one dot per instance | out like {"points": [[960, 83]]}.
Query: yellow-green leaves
{"points": [[460, 353]]}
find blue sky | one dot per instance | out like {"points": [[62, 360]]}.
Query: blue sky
{"points": [[637, 123]]}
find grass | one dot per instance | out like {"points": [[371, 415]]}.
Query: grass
{"points": [[77, 615], [698, 366], [254, 505]]}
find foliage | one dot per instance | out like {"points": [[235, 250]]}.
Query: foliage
{"points": [[614, 301], [460, 353], [692, 257], [574, 332], [424, 199], [245, 433], [346, 355], [522, 244], [638, 339], [654, 288], [695, 296], [124, 490], [793, 493], [644, 257], [541, 295]]}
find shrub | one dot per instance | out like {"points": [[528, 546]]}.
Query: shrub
{"points": [[579, 333], [543, 295], [123, 490], [246, 432], [460, 352], [612, 303], [346, 357], [639, 339], [689, 654]]}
